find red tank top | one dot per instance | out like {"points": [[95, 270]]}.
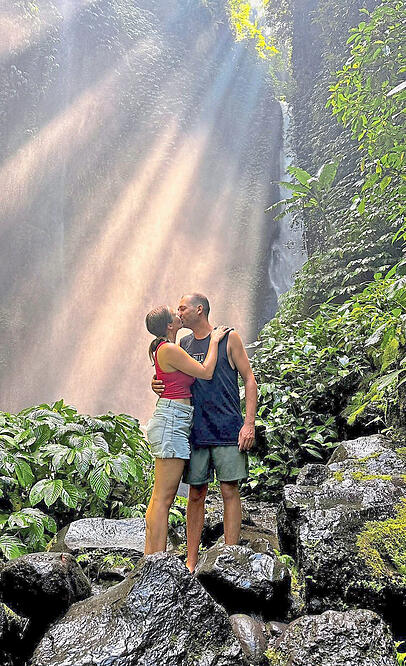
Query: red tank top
{"points": [[177, 383]]}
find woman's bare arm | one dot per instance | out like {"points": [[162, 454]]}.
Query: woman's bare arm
{"points": [[173, 357]]}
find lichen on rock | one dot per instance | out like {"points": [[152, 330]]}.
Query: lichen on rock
{"points": [[382, 545]]}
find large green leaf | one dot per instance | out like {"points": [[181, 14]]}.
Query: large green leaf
{"points": [[23, 472], [326, 175], [100, 482]]}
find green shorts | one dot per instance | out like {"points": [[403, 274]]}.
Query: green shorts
{"points": [[230, 464]]}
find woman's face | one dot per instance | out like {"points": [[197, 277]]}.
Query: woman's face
{"points": [[176, 320]]}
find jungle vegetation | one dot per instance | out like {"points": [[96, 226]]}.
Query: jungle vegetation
{"points": [[332, 364]]}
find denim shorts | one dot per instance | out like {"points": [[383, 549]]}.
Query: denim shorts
{"points": [[169, 428]]}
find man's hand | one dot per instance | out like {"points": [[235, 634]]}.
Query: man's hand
{"points": [[246, 437], [157, 386]]}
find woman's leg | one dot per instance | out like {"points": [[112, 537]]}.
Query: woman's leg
{"points": [[168, 472]]}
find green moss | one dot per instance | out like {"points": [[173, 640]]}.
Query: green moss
{"points": [[276, 658], [361, 476], [382, 546], [401, 452], [370, 457], [339, 476]]}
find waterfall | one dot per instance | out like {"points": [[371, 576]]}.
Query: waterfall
{"points": [[138, 142], [287, 253]]}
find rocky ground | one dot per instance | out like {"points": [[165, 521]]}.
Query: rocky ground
{"points": [[318, 580]]}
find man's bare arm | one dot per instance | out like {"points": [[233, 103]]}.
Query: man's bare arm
{"points": [[157, 386], [241, 361]]}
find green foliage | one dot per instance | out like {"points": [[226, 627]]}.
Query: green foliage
{"points": [[382, 545], [276, 658], [245, 25], [320, 375], [401, 656], [56, 464], [368, 99], [309, 192], [177, 512]]}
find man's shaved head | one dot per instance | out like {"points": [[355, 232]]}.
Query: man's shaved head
{"points": [[199, 299]]}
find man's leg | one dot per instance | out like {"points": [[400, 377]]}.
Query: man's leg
{"points": [[194, 523], [232, 511]]}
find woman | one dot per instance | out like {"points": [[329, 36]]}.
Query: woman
{"points": [[169, 428]]}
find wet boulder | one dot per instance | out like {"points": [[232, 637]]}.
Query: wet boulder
{"points": [[42, 586], [263, 517], [104, 534], [351, 638], [252, 635], [259, 540], [13, 629], [245, 581], [213, 527], [159, 614], [276, 629], [323, 515]]}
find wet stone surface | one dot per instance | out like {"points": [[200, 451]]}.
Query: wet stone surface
{"points": [[102, 534], [158, 615], [42, 586], [352, 638], [245, 581], [322, 516], [13, 628], [252, 635]]}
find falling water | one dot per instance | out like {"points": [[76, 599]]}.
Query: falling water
{"points": [[287, 254], [138, 143]]}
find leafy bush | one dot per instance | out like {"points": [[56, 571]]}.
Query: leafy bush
{"points": [[324, 377], [57, 465]]}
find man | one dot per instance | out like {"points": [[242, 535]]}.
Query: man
{"points": [[220, 438]]}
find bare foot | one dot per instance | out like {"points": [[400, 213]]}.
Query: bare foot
{"points": [[190, 567]]}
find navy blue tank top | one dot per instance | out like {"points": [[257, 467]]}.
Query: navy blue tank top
{"points": [[217, 416]]}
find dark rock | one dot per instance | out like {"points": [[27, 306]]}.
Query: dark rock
{"points": [[312, 475], [264, 516], [158, 615], [213, 527], [252, 635], [319, 525], [104, 534], [361, 447], [276, 629], [12, 632], [259, 540], [42, 586], [242, 580], [353, 638]]}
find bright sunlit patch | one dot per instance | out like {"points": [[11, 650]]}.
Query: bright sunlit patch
{"points": [[20, 31]]}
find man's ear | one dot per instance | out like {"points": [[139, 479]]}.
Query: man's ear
{"points": [[199, 309]]}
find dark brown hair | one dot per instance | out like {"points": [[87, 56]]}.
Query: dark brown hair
{"points": [[157, 321]]}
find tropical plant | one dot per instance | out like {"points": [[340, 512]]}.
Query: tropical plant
{"points": [[309, 192], [56, 464], [324, 377], [245, 24]]}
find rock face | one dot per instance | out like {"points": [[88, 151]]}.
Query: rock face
{"points": [[12, 631], [325, 511], [252, 635], [105, 534], [352, 638], [42, 586], [158, 615], [259, 522], [245, 581]]}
